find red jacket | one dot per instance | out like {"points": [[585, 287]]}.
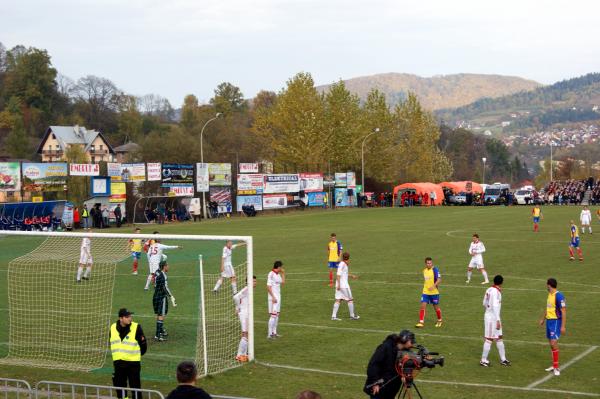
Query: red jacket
{"points": [[76, 215]]}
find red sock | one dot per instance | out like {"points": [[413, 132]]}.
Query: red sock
{"points": [[535, 227], [571, 252], [135, 264], [330, 276], [580, 253], [438, 312], [555, 358], [421, 315]]}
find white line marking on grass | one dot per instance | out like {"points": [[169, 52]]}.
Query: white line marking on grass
{"points": [[368, 330], [564, 366], [451, 235], [468, 384]]}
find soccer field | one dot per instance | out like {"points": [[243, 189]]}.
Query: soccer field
{"points": [[387, 248]]}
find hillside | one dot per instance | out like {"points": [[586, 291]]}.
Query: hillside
{"points": [[437, 92], [572, 100]]}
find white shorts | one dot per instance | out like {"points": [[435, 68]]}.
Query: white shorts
{"points": [[344, 294], [476, 263], [228, 271], [85, 259], [489, 327], [586, 221], [274, 307], [153, 267], [243, 320]]}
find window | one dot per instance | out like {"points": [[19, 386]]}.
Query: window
{"points": [[93, 148], [53, 136], [57, 147], [101, 147], [93, 159]]}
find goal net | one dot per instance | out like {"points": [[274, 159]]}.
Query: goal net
{"points": [[59, 316]]}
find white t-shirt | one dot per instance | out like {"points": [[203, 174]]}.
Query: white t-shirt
{"points": [[86, 247], [586, 215], [492, 302], [342, 272], [274, 281], [155, 252], [241, 300], [476, 248], [227, 255]]}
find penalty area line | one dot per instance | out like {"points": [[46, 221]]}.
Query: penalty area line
{"points": [[567, 364], [467, 384]]}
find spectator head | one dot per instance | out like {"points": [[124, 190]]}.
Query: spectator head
{"points": [[187, 372], [308, 395]]}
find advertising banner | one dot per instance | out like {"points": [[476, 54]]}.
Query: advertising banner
{"points": [[44, 176], [255, 200], [310, 182], [113, 170], [118, 192], [317, 199], [343, 199], [100, 186], [274, 201], [248, 167], [281, 183], [222, 196], [67, 214], [219, 174], [177, 174], [182, 191], [202, 177], [328, 180], [10, 176], [341, 179], [250, 184], [132, 172], [84, 169], [351, 180], [154, 171]]}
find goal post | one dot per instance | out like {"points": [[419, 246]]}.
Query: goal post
{"points": [[56, 322]]}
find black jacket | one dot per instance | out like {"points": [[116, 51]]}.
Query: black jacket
{"points": [[188, 392], [139, 335], [383, 366]]}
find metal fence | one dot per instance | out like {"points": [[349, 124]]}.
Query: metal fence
{"points": [[15, 389]]}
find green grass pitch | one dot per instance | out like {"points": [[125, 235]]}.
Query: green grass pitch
{"points": [[387, 248]]}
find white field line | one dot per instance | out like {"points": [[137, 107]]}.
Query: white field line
{"points": [[468, 384], [564, 366], [374, 331], [451, 235]]}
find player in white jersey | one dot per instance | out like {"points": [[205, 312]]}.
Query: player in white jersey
{"points": [[492, 302], [85, 259], [275, 279], [475, 250], [227, 270], [242, 304], [155, 256], [586, 219], [342, 288]]}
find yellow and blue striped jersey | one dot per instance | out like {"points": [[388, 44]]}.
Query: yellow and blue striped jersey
{"points": [[431, 277], [554, 305], [574, 232]]}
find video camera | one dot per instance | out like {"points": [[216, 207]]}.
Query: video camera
{"points": [[408, 363]]}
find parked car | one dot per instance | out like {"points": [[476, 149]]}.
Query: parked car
{"points": [[524, 197], [458, 199]]}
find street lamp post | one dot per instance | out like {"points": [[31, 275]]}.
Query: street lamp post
{"points": [[483, 177], [362, 158], [202, 160], [551, 145]]}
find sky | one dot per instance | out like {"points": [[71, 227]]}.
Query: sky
{"points": [[179, 47]]}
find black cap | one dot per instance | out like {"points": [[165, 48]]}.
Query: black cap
{"points": [[123, 312]]}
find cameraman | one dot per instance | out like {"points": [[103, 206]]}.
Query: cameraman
{"points": [[383, 381]]}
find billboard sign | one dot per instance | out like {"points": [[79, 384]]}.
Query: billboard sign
{"points": [[219, 174], [281, 183], [177, 174], [249, 184], [248, 167], [154, 171], [202, 177], [44, 176], [255, 200], [310, 182], [84, 169], [274, 201], [10, 176]]}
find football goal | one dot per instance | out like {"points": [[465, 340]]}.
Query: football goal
{"points": [[62, 291]]}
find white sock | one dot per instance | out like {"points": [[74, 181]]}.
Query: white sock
{"points": [[336, 307], [218, 285], [351, 308], [590, 228], [485, 276], [148, 281], [243, 348], [79, 271], [275, 325], [234, 288], [271, 325], [501, 351], [487, 345], [583, 229], [469, 274], [88, 271]]}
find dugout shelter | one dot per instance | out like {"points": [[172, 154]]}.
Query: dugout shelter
{"points": [[421, 189]]}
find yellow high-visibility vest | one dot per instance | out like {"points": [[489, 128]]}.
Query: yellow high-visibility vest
{"points": [[127, 349], [84, 213]]}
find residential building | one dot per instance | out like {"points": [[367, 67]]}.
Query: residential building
{"points": [[58, 139]]}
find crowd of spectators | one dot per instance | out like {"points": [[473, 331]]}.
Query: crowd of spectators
{"points": [[571, 192]]}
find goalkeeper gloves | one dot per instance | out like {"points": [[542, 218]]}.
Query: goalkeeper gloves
{"points": [[173, 301]]}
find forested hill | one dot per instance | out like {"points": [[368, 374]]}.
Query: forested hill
{"points": [[570, 100], [437, 92]]}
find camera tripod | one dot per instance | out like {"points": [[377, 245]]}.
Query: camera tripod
{"points": [[406, 388]]}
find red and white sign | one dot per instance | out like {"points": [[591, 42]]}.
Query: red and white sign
{"points": [[248, 168], [84, 169], [311, 182], [183, 191], [251, 183], [154, 172], [274, 201]]}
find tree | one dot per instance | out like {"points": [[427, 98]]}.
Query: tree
{"points": [[77, 185], [97, 101], [228, 99], [189, 114], [18, 144], [130, 119]]}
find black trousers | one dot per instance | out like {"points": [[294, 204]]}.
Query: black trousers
{"points": [[124, 372]]}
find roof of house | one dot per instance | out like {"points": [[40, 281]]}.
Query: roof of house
{"points": [[66, 135], [129, 147]]}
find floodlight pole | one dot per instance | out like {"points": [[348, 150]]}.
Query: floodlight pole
{"points": [[551, 160], [362, 158], [204, 215], [483, 177]]}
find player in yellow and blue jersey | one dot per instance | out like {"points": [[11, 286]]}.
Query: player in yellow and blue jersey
{"points": [[537, 215], [135, 245], [334, 251], [431, 294], [575, 243], [555, 317]]}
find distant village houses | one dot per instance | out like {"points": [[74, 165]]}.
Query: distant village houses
{"points": [[58, 139]]}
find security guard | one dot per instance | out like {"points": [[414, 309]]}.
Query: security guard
{"points": [[127, 344]]}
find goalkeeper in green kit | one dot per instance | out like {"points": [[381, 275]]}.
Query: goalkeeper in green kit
{"points": [[160, 298]]}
